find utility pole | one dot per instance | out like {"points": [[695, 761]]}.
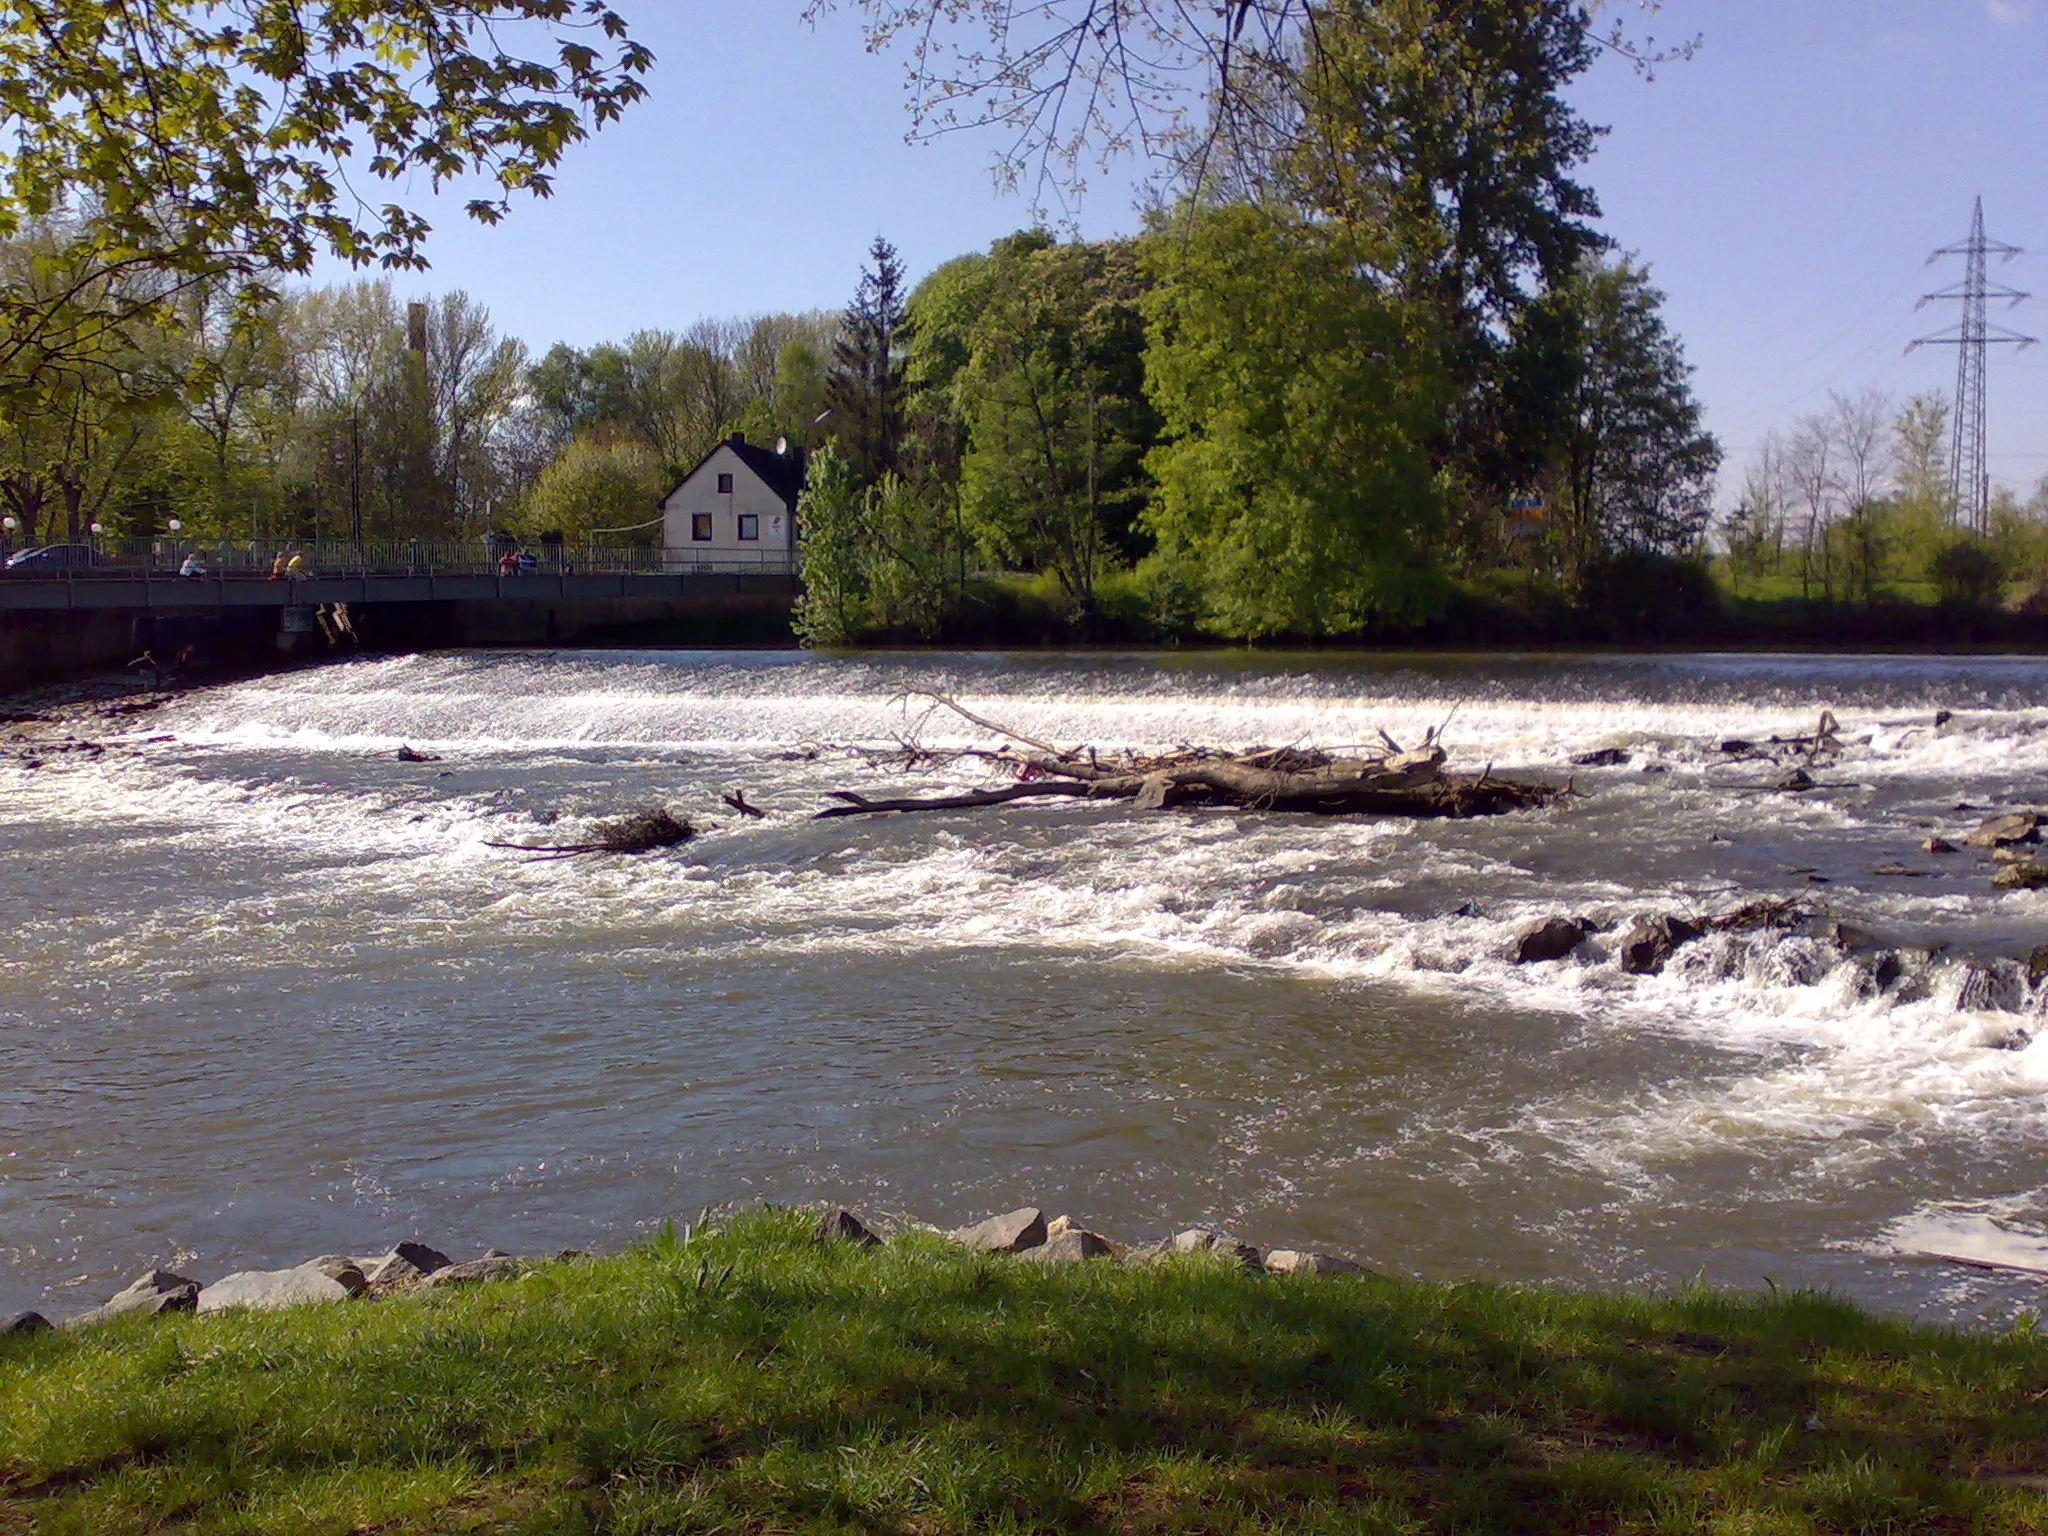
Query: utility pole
{"points": [[1969, 476]]}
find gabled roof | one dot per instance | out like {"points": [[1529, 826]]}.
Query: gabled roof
{"points": [[782, 473]]}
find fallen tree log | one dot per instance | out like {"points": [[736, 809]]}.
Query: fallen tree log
{"points": [[1394, 783], [1446, 797]]}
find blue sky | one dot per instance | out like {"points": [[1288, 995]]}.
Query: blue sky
{"points": [[1786, 186]]}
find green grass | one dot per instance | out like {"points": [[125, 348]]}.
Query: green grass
{"points": [[753, 1381]]}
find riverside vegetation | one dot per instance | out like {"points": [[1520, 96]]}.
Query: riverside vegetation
{"points": [[772, 1373]]}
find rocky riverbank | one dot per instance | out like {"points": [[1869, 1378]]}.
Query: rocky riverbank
{"points": [[413, 1267], [779, 1371]]}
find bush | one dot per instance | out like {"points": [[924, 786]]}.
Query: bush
{"points": [[1968, 574], [1648, 597]]}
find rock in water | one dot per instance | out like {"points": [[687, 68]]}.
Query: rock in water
{"points": [[1937, 845], [16, 1324], [1013, 1233], [1285, 1261], [2006, 831], [1070, 1247], [1550, 939], [844, 1226], [2037, 964], [271, 1290], [153, 1294], [1650, 941], [2024, 876], [1798, 781], [1602, 757]]}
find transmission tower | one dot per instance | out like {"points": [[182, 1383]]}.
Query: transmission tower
{"points": [[1969, 478]]}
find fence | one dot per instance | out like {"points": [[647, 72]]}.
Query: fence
{"points": [[414, 557]]}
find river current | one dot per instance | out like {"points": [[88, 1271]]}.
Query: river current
{"points": [[268, 991]]}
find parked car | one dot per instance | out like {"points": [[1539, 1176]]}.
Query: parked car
{"points": [[57, 557]]}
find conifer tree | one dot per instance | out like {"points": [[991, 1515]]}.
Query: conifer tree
{"points": [[866, 394]]}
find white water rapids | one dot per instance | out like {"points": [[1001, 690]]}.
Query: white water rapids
{"points": [[268, 992]]}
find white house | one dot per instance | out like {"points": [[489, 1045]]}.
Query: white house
{"points": [[736, 509]]}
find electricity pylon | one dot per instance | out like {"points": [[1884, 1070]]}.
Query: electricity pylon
{"points": [[1969, 477]]}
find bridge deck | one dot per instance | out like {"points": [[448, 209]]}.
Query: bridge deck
{"points": [[95, 591]]}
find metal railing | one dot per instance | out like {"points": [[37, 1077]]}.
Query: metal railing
{"points": [[263, 558]]}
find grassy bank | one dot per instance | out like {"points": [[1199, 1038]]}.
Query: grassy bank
{"points": [[756, 1381]]}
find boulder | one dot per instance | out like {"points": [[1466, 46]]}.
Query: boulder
{"points": [[2006, 831], [1602, 757], [2037, 964], [1204, 1240], [153, 1294], [844, 1226], [1070, 1247], [1937, 845], [1551, 938], [1735, 744], [349, 1272], [2024, 876], [16, 1324], [271, 1290], [1885, 968], [1998, 986], [1286, 1261], [476, 1271], [1650, 941], [405, 1267], [1798, 781], [1012, 1233]]}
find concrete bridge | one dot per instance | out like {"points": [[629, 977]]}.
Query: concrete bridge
{"points": [[64, 622], [139, 591]]}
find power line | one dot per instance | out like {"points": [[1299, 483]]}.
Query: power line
{"points": [[1973, 336]]}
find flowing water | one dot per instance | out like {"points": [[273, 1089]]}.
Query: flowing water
{"points": [[269, 992]]}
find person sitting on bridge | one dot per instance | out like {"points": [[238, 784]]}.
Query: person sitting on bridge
{"points": [[527, 563], [277, 567], [296, 566], [508, 563], [194, 567]]}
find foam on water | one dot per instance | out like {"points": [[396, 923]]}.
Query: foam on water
{"points": [[300, 830]]}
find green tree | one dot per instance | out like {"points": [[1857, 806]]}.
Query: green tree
{"points": [[866, 393], [1441, 131], [831, 549], [1293, 484], [1057, 421], [1635, 469], [596, 484], [1923, 508], [195, 139]]}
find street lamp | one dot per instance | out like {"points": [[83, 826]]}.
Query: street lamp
{"points": [[8, 525], [175, 526]]}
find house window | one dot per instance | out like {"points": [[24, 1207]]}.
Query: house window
{"points": [[700, 527], [725, 485], [750, 527]]}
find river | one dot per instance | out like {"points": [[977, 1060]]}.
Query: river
{"points": [[267, 991]]}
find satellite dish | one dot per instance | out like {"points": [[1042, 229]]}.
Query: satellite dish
{"points": [[782, 447]]}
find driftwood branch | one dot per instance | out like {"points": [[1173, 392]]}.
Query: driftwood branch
{"points": [[942, 701]]}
